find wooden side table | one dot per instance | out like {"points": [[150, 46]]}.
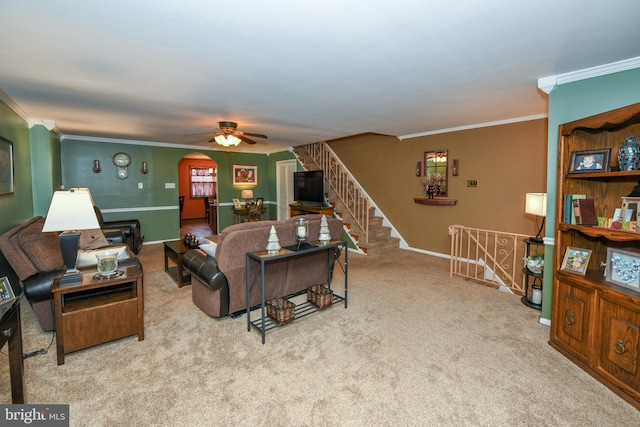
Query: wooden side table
{"points": [[95, 311], [239, 213], [174, 251], [11, 332]]}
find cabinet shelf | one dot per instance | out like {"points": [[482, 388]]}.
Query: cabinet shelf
{"points": [[634, 175], [607, 233]]}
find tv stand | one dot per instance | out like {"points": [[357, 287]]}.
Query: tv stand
{"points": [[296, 209]]}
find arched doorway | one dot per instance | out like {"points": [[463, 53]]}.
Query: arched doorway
{"points": [[198, 184]]}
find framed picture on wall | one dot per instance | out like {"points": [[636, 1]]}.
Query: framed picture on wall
{"points": [[6, 166], [245, 175], [590, 161]]}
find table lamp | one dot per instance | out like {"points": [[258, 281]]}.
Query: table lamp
{"points": [[70, 211], [536, 204], [247, 195]]}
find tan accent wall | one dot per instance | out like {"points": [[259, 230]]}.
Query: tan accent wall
{"points": [[507, 161]]}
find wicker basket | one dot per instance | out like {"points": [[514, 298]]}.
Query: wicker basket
{"points": [[320, 296], [281, 310]]}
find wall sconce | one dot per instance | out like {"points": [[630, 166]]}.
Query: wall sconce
{"points": [[419, 169], [144, 169], [456, 167], [96, 166]]}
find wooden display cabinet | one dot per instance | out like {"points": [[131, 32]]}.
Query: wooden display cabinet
{"points": [[595, 322]]}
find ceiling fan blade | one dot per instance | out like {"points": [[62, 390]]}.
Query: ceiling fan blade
{"points": [[213, 138], [200, 133], [257, 135], [245, 139]]}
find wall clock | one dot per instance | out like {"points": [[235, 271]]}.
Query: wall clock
{"points": [[122, 161]]}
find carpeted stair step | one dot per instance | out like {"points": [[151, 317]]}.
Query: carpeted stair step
{"points": [[381, 246]]}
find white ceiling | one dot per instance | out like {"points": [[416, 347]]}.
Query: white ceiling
{"points": [[298, 71]]}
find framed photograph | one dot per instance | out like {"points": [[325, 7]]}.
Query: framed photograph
{"points": [[590, 161], [6, 291], [245, 175], [576, 260], [6, 166], [623, 268], [259, 202], [236, 204]]}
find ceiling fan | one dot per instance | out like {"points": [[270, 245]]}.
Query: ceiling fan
{"points": [[230, 135]]}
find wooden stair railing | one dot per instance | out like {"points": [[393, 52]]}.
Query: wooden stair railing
{"points": [[343, 184]]}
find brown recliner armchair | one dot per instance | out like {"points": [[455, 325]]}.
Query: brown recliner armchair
{"points": [[125, 231], [36, 258]]}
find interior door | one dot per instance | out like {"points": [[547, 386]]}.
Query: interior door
{"points": [[284, 187]]}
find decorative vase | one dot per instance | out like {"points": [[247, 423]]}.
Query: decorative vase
{"points": [[629, 154], [431, 191]]}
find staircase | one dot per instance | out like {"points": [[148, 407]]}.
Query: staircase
{"points": [[350, 204]]}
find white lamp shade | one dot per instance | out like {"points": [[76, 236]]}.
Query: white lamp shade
{"points": [[71, 210], [247, 194], [536, 204], [227, 140]]}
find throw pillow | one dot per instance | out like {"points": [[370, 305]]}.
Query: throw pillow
{"points": [[87, 258], [43, 249], [92, 239], [209, 248]]}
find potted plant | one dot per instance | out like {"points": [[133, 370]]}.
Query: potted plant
{"points": [[535, 262]]}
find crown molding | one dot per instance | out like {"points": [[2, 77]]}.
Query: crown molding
{"points": [[49, 124], [151, 144], [6, 98], [547, 84], [474, 126]]}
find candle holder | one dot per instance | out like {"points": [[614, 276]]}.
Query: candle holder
{"points": [[107, 263], [302, 230]]}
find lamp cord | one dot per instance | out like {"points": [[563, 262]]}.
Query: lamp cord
{"points": [[539, 235]]}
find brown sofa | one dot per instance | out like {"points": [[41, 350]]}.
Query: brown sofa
{"points": [[218, 283], [36, 258]]}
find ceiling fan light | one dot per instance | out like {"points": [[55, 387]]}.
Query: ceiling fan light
{"points": [[227, 140]]}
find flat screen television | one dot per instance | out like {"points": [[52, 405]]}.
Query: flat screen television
{"points": [[308, 187]]}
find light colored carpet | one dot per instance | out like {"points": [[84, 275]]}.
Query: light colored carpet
{"points": [[414, 347]]}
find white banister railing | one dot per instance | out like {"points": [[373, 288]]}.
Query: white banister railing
{"points": [[494, 257], [341, 181]]}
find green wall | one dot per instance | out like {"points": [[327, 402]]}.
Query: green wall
{"points": [[573, 101], [18, 207], [155, 205]]}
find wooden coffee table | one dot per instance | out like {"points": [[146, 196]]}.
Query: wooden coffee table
{"points": [[98, 310], [174, 250]]}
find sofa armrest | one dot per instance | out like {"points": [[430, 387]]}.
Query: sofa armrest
{"points": [[114, 235], [205, 268], [122, 223], [130, 230]]}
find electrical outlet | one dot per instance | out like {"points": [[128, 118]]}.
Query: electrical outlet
{"points": [[140, 186], [472, 183]]}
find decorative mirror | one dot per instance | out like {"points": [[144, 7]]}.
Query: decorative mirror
{"points": [[435, 172]]}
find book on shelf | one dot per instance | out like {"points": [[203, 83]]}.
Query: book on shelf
{"points": [[585, 212], [569, 216]]}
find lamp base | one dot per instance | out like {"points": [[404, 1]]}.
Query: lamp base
{"points": [[71, 277], [69, 241]]}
